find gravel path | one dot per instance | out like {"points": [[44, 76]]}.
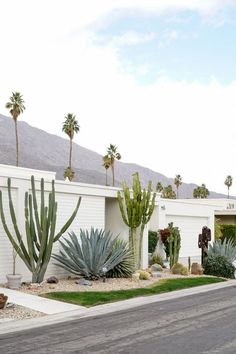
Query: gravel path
{"points": [[17, 312]]}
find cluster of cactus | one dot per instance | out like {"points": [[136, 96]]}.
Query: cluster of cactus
{"points": [[136, 207], [40, 229], [174, 244]]}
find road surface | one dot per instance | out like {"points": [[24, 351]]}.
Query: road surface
{"points": [[203, 323]]}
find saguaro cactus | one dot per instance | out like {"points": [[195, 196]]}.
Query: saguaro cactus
{"points": [[40, 229], [174, 244], [136, 208], [148, 208], [133, 203]]}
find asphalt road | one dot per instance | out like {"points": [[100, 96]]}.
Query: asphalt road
{"points": [[204, 323]]}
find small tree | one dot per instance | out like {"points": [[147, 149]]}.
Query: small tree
{"points": [[16, 107], [201, 192], [113, 155], [168, 192], [177, 182], [229, 182]]}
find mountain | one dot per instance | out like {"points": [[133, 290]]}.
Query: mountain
{"points": [[44, 151]]}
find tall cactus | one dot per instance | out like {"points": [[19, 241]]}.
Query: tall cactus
{"points": [[40, 229], [136, 208], [148, 208], [131, 208], [174, 244]]}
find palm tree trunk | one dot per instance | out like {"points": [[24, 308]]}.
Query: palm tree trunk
{"points": [[106, 176], [17, 143], [177, 194], [70, 155], [228, 192], [113, 174]]}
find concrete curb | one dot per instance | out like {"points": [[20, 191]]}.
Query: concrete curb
{"points": [[109, 308]]}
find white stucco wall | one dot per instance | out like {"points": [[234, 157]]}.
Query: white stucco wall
{"points": [[190, 217], [91, 212]]}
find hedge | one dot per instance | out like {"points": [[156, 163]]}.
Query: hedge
{"points": [[228, 232], [152, 241]]}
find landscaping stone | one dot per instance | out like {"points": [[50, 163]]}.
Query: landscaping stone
{"points": [[83, 281], [52, 280], [156, 274], [156, 267], [196, 269]]}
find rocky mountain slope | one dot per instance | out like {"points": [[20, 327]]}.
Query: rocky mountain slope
{"points": [[41, 150]]}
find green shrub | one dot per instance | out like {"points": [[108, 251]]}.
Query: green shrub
{"points": [[87, 254], [228, 232], [219, 266], [143, 275], [157, 258], [152, 241], [225, 248], [179, 268]]}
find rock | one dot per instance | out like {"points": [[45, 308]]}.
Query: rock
{"points": [[149, 270], [156, 275], [83, 281], [196, 269], [135, 276], [156, 267], [52, 280]]}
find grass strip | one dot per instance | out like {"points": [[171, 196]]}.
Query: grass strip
{"points": [[93, 298]]}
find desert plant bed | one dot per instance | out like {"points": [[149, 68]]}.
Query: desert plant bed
{"points": [[16, 312], [69, 284], [92, 298]]}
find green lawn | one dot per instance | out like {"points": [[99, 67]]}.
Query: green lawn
{"points": [[92, 298]]}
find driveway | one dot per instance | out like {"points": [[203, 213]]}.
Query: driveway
{"points": [[203, 323]]}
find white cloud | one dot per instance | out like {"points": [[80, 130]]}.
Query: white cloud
{"points": [[132, 38], [172, 127]]}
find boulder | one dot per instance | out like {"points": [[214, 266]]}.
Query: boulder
{"points": [[156, 267], [196, 269], [52, 280]]}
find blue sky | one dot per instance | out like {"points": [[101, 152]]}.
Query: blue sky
{"points": [[157, 78], [180, 45]]}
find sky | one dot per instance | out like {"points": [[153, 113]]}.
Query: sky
{"points": [[156, 78]]}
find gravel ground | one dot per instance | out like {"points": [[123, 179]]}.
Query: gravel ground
{"points": [[17, 312], [98, 285]]}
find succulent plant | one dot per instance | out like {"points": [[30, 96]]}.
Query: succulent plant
{"points": [[92, 251]]}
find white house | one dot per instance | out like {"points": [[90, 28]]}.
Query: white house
{"points": [[99, 209]]}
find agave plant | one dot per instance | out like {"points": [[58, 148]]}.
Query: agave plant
{"points": [[88, 254], [225, 248]]}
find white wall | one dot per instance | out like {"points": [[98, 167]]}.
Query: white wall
{"points": [[91, 212], [189, 217]]}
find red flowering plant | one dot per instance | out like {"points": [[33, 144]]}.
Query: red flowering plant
{"points": [[164, 237]]}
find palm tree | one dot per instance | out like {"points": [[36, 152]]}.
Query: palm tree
{"points": [[177, 182], [159, 187], [16, 107], [113, 155], [229, 182], [201, 191], [168, 192], [106, 164], [70, 127]]}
